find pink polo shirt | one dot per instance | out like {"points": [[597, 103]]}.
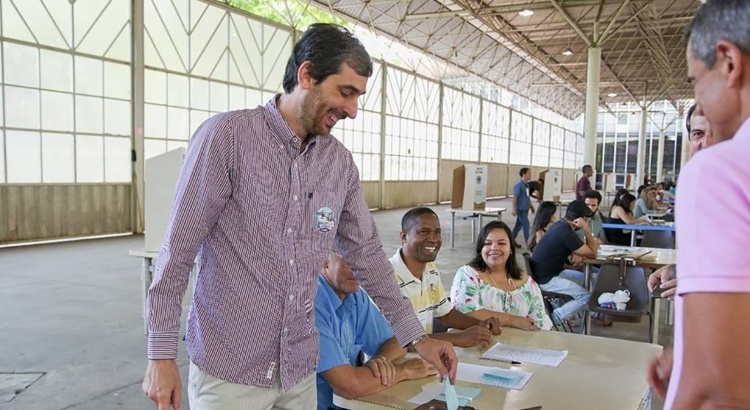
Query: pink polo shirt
{"points": [[713, 229]]}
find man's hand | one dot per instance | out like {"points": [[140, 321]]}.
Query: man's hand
{"points": [[441, 355], [581, 223], [383, 369], [492, 324], [665, 279], [659, 373], [474, 336], [513, 212], [162, 384], [533, 211], [417, 368], [523, 323]]}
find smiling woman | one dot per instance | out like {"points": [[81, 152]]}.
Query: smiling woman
{"points": [[493, 285]]}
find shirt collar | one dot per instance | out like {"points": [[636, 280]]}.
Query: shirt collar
{"points": [[744, 131], [280, 127], [400, 268]]}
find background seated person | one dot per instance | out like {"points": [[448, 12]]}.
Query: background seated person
{"points": [[552, 252], [492, 285], [593, 199], [348, 323], [646, 202], [419, 281], [622, 213], [545, 216]]}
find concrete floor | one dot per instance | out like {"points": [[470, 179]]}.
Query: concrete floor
{"points": [[71, 333]]}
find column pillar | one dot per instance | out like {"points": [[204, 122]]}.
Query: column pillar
{"points": [[137, 76], [640, 170], [660, 158], [592, 107]]}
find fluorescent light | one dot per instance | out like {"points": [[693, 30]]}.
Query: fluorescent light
{"points": [[612, 95], [526, 13], [567, 52]]}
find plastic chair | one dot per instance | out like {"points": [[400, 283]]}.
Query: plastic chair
{"points": [[617, 275], [658, 239], [549, 297]]}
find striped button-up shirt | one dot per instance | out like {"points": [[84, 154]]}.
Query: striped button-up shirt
{"points": [[262, 214]]}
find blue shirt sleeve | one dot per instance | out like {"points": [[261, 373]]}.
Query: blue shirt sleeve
{"points": [[331, 353], [517, 189], [372, 329]]}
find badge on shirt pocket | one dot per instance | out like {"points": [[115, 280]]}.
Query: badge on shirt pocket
{"points": [[325, 219]]}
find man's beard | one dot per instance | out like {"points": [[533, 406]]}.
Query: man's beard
{"points": [[313, 113]]}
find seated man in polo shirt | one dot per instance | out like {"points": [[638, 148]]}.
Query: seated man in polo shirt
{"points": [[419, 281], [348, 323], [552, 252]]}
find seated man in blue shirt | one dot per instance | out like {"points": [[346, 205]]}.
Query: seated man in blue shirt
{"points": [[348, 323]]}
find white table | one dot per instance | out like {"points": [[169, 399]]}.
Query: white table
{"points": [[599, 373], [473, 213]]}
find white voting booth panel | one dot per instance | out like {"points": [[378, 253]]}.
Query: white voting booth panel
{"points": [[552, 185], [469, 187], [160, 186]]}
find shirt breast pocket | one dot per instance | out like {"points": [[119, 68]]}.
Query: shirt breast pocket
{"points": [[322, 213]]}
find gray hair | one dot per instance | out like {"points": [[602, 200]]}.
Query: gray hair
{"points": [[718, 20]]}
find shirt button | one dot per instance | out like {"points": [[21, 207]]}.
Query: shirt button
{"points": [[295, 197], [291, 298], [286, 330], [291, 262], [289, 230], [295, 165]]}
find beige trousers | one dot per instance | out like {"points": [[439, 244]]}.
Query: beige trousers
{"points": [[210, 393]]}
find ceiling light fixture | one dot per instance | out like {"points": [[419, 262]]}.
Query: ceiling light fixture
{"points": [[612, 95], [567, 52], [526, 13]]}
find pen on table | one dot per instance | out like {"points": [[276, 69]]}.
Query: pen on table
{"points": [[508, 361]]}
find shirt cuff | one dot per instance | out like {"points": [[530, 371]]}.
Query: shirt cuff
{"points": [[162, 345], [408, 329], [714, 285]]}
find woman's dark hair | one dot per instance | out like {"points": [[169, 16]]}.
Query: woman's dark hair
{"points": [[625, 202], [326, 47], [542, 219], [511, 266], [620, 192]]}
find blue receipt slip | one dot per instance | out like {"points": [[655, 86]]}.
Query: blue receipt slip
{"points": [[493, 376], [451, 399]]}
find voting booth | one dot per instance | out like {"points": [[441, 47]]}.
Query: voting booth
{"points": [[160, 187], [551, 184], [469, 187]]}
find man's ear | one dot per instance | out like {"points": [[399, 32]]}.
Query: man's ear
{"points": [[730, 62], [304, 77], [402, 235]]}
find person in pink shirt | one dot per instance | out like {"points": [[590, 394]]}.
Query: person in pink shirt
{"points": [[709, 367]]}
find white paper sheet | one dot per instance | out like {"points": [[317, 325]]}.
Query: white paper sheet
{"points": [[493, 376], [506, 352]]}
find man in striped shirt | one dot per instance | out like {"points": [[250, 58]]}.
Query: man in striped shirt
{"points": [[262, 197]]}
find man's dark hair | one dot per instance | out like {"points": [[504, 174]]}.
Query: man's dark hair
{"points": [[586, 168], [593, 195], [689, 116], [523, 171], [717, 20], [411, 217], [326, 47], [511, 265]]}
